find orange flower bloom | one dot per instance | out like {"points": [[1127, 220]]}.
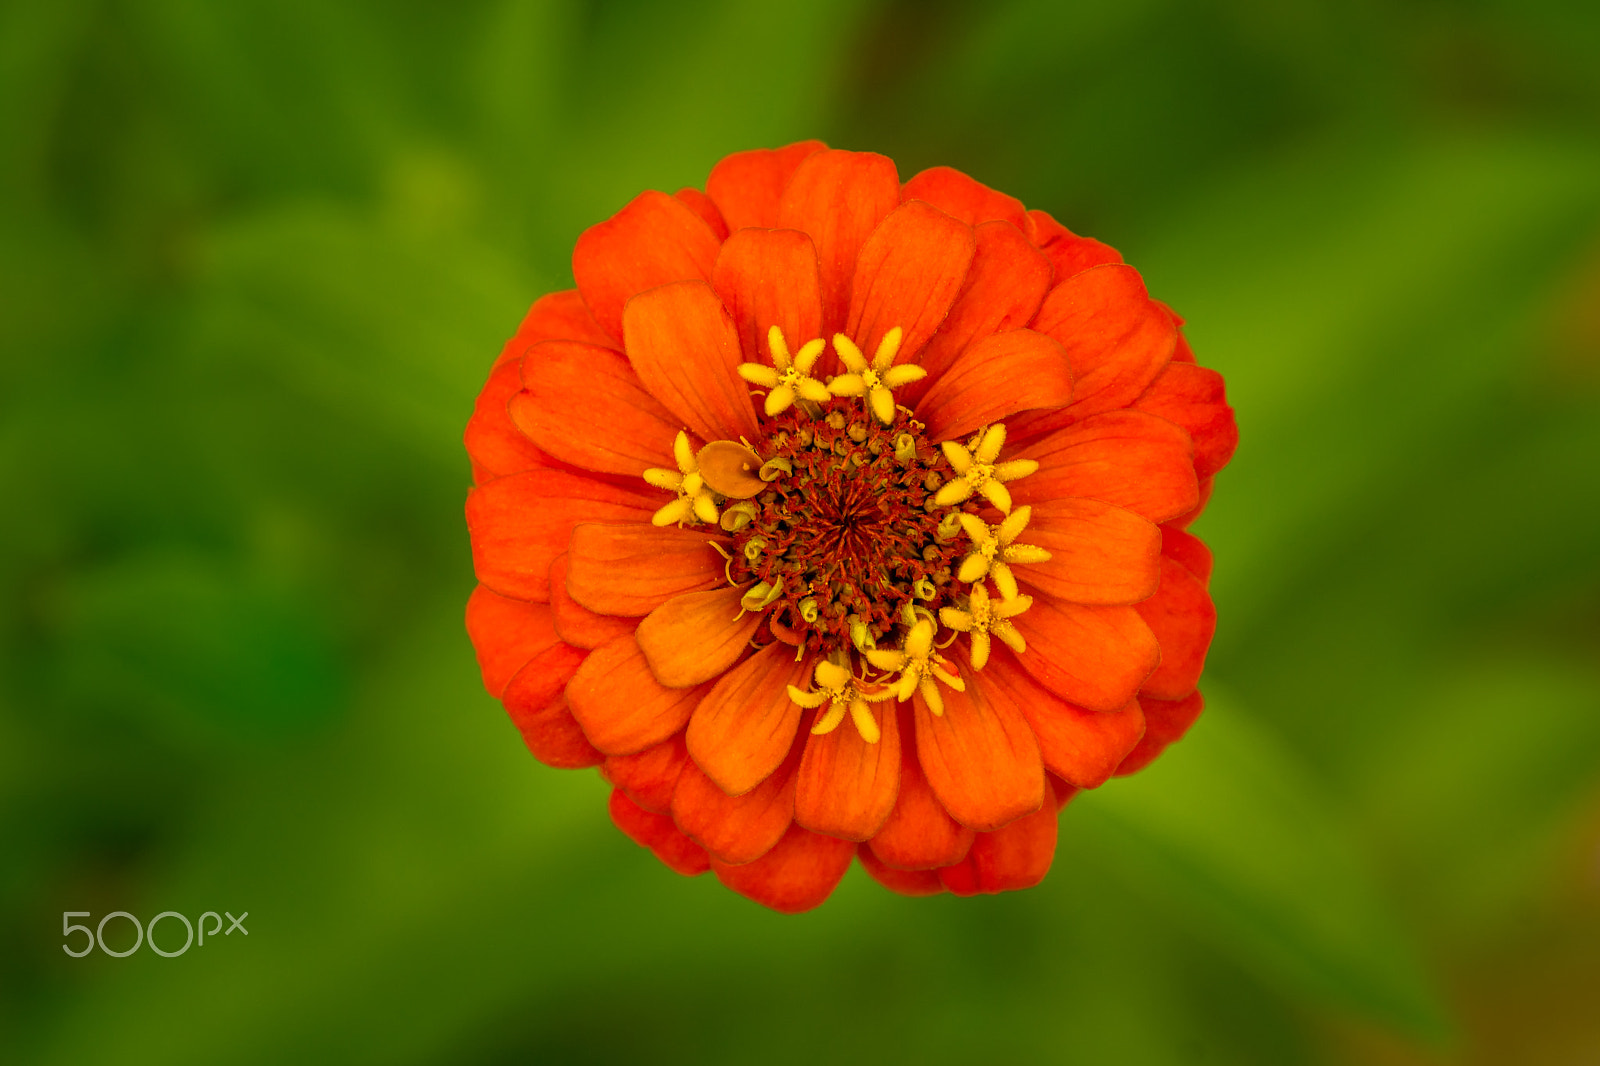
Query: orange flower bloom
{"points": [[835, 517]]}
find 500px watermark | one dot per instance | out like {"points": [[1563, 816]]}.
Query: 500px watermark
{"points": [[145, 934]]}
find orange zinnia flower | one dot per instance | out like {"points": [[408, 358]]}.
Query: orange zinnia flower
{"points": [[834, 517]]}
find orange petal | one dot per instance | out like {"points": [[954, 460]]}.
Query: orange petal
{"points": [[1126, 458], [731, 469], [507, 634], [1004, 287], [1069, 253], [735, 829], [557, 316], [1117, 338], [656, 832], [1188, 551], [745, 727], [1016, 856], [656, 239], [1183, 353], [1064, 792], [839, 198], [706, 208], [1095, 657], [1165, 722], [748, 185], [549, 730], [576, 624], [1082, 747], [964, 198], [519, 524], [766, 278], [1004, 373], [847, 787], [585, 406], [649, 777], [980, 757], [907, 275], [633, 569], [919, 834], [695, 636], [1183, 618], [796, 875], [1099, 553], [1204, 494], [620, 704], [905, 882], [542, 679], [494, 444], [683, 345], [1193, 397]]}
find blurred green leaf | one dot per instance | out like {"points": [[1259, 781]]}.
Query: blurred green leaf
{"points": [[1230, 831], [1472, 790], [686, 83], [37, 46], [419, 859], [1370, 307], [393, 327], [257, 259], [172, 633]]}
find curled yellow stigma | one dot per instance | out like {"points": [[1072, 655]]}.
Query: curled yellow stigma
{"points": [[982, 618], [847, 693], [875, 381], [977, 471], [787, 378], [994, 548], [696, 500], [919, 665]]}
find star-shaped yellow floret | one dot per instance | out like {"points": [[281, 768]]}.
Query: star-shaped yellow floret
{"points": [[919, 665], [847, 693], [875, 381], [977, 471], [984, 617], [995, 547], [787, 378], [696, 502]]}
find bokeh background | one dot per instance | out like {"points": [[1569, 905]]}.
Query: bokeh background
{"points": [[257, 258]]}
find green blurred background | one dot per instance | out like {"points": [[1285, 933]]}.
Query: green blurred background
{"points": [[257, 258]]}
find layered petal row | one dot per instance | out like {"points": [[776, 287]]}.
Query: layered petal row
{"points": [[840, 519]]}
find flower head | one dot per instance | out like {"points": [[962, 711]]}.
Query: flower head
{"points": [[836, 518]]}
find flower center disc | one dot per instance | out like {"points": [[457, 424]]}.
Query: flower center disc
{"points": [[849, 538]]}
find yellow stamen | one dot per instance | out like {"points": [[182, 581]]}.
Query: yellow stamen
{"points": [[919, 665], [984, 617], [876, 381], [787, 378], [696, 501], [977, 471], [847, 693], [995, 548]]}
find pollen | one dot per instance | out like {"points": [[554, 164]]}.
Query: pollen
{"points": [[977, 471]]}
